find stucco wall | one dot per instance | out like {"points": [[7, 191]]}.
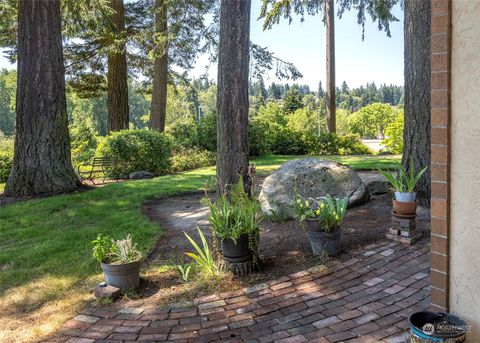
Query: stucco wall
{"points": [[465, 164]]}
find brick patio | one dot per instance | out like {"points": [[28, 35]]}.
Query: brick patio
{"points": [[364, 299]]}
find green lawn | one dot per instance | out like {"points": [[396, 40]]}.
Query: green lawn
{"points": [[44, 236], [45, 250], [360, 162]]}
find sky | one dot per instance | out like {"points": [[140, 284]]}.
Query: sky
{"points": [[377, 59]]}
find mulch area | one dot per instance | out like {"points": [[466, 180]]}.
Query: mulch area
{"points": [[284, 248], [366, 298]]}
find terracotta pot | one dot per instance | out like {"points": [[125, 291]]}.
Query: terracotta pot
{"points": [[404, 208]]}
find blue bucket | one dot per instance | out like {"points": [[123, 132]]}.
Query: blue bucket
{"points": [[428, 326]]}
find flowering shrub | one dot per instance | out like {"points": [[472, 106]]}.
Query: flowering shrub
{"points": [[328, 211]]}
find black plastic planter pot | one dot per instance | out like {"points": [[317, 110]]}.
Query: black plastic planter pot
{"points": [[325, 243], [123, 276], [236, 252], [428, 326]]}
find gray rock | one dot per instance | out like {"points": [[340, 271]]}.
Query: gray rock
{"points": [[314, 178], [138, 175], [375, 183]]}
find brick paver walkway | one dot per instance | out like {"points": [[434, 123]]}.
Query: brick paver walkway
{"points": [[364, 299]]}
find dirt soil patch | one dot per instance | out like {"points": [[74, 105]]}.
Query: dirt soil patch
{"points": [[284, 248]]}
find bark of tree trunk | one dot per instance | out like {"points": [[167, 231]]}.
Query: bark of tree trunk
{"points": [[330, 84], [117, 87], [158, 108], [416, 136], [42, 147], [232, 95]]}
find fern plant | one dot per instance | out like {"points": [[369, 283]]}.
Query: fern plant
{"points": [[204, 257]]}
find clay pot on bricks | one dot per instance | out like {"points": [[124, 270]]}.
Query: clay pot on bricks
{"points": [[404, 208]]}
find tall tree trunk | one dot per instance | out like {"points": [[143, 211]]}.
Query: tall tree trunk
{"points": [[232, 95], [42, 146], [158, 108], [416, 136], [330, 48], [117, 87]]}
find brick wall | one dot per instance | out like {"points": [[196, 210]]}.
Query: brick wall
{"points": [[440, 159]]}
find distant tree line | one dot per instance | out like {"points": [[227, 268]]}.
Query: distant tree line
{"points": [[347, 99]]}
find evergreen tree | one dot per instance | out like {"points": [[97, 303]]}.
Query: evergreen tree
{"points": [[292, 101], [42, 147], [117, 86], [232, 96], [274, 91], [321, 91], [416, 134]]}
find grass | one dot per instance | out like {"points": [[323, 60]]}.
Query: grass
{"points": [[357, 162], [45, 254]]}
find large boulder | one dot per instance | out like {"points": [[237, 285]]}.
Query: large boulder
{"points": [[375, 183], [313, 178]]}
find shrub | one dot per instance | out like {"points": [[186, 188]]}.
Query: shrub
{"points": [[207, 132], [6, 162], [258, 138], [191, 158], [183, 133], [370, 121], [394, 135], [332, 144], [83, 144], [351, 145], [6, 157], [289, 142], [137, 150]]}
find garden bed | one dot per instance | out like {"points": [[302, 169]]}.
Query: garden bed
{"points": [[284, 248]]}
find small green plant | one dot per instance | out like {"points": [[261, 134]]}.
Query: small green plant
{"points": [[333, 211], [102, 247], [235, 215], [184, 271], [328, 211], [107, 250], [306, 208], [204, 257], [275, 217], [403, 180]]}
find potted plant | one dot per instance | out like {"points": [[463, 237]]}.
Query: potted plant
{"points": [[235, 222], [120, 261], [404, 182], [322, 221]]}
